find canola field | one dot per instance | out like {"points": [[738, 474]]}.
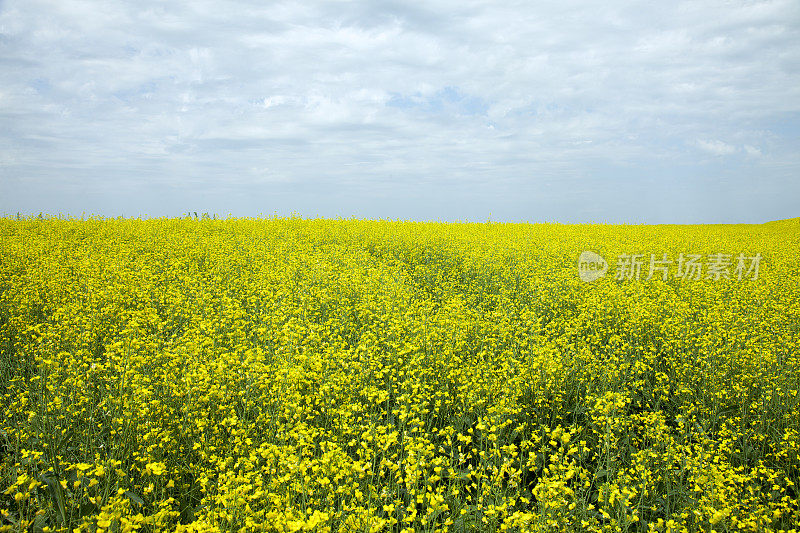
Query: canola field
{"points": [[288, 374]]}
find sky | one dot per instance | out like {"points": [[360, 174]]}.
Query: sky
{"points": [[573, 112]]}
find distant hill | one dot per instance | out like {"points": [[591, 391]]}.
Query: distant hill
{"points": [[795, 220]]}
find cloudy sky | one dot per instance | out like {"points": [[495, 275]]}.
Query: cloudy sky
{"points": [[685, 112]]}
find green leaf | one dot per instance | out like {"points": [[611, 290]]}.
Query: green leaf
{"points": [[56, 494], [134, 497]]}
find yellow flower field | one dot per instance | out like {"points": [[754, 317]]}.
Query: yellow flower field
{"points": [[344, 375]]}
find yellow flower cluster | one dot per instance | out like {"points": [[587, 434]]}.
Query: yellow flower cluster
{"points": [[343, 375]]}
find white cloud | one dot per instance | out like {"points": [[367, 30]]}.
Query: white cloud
{"points": [[752, 151], [209, 91], [716, 147]]}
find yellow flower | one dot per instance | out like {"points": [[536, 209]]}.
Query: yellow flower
{"points": [[155, 468], [717, 517]]}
